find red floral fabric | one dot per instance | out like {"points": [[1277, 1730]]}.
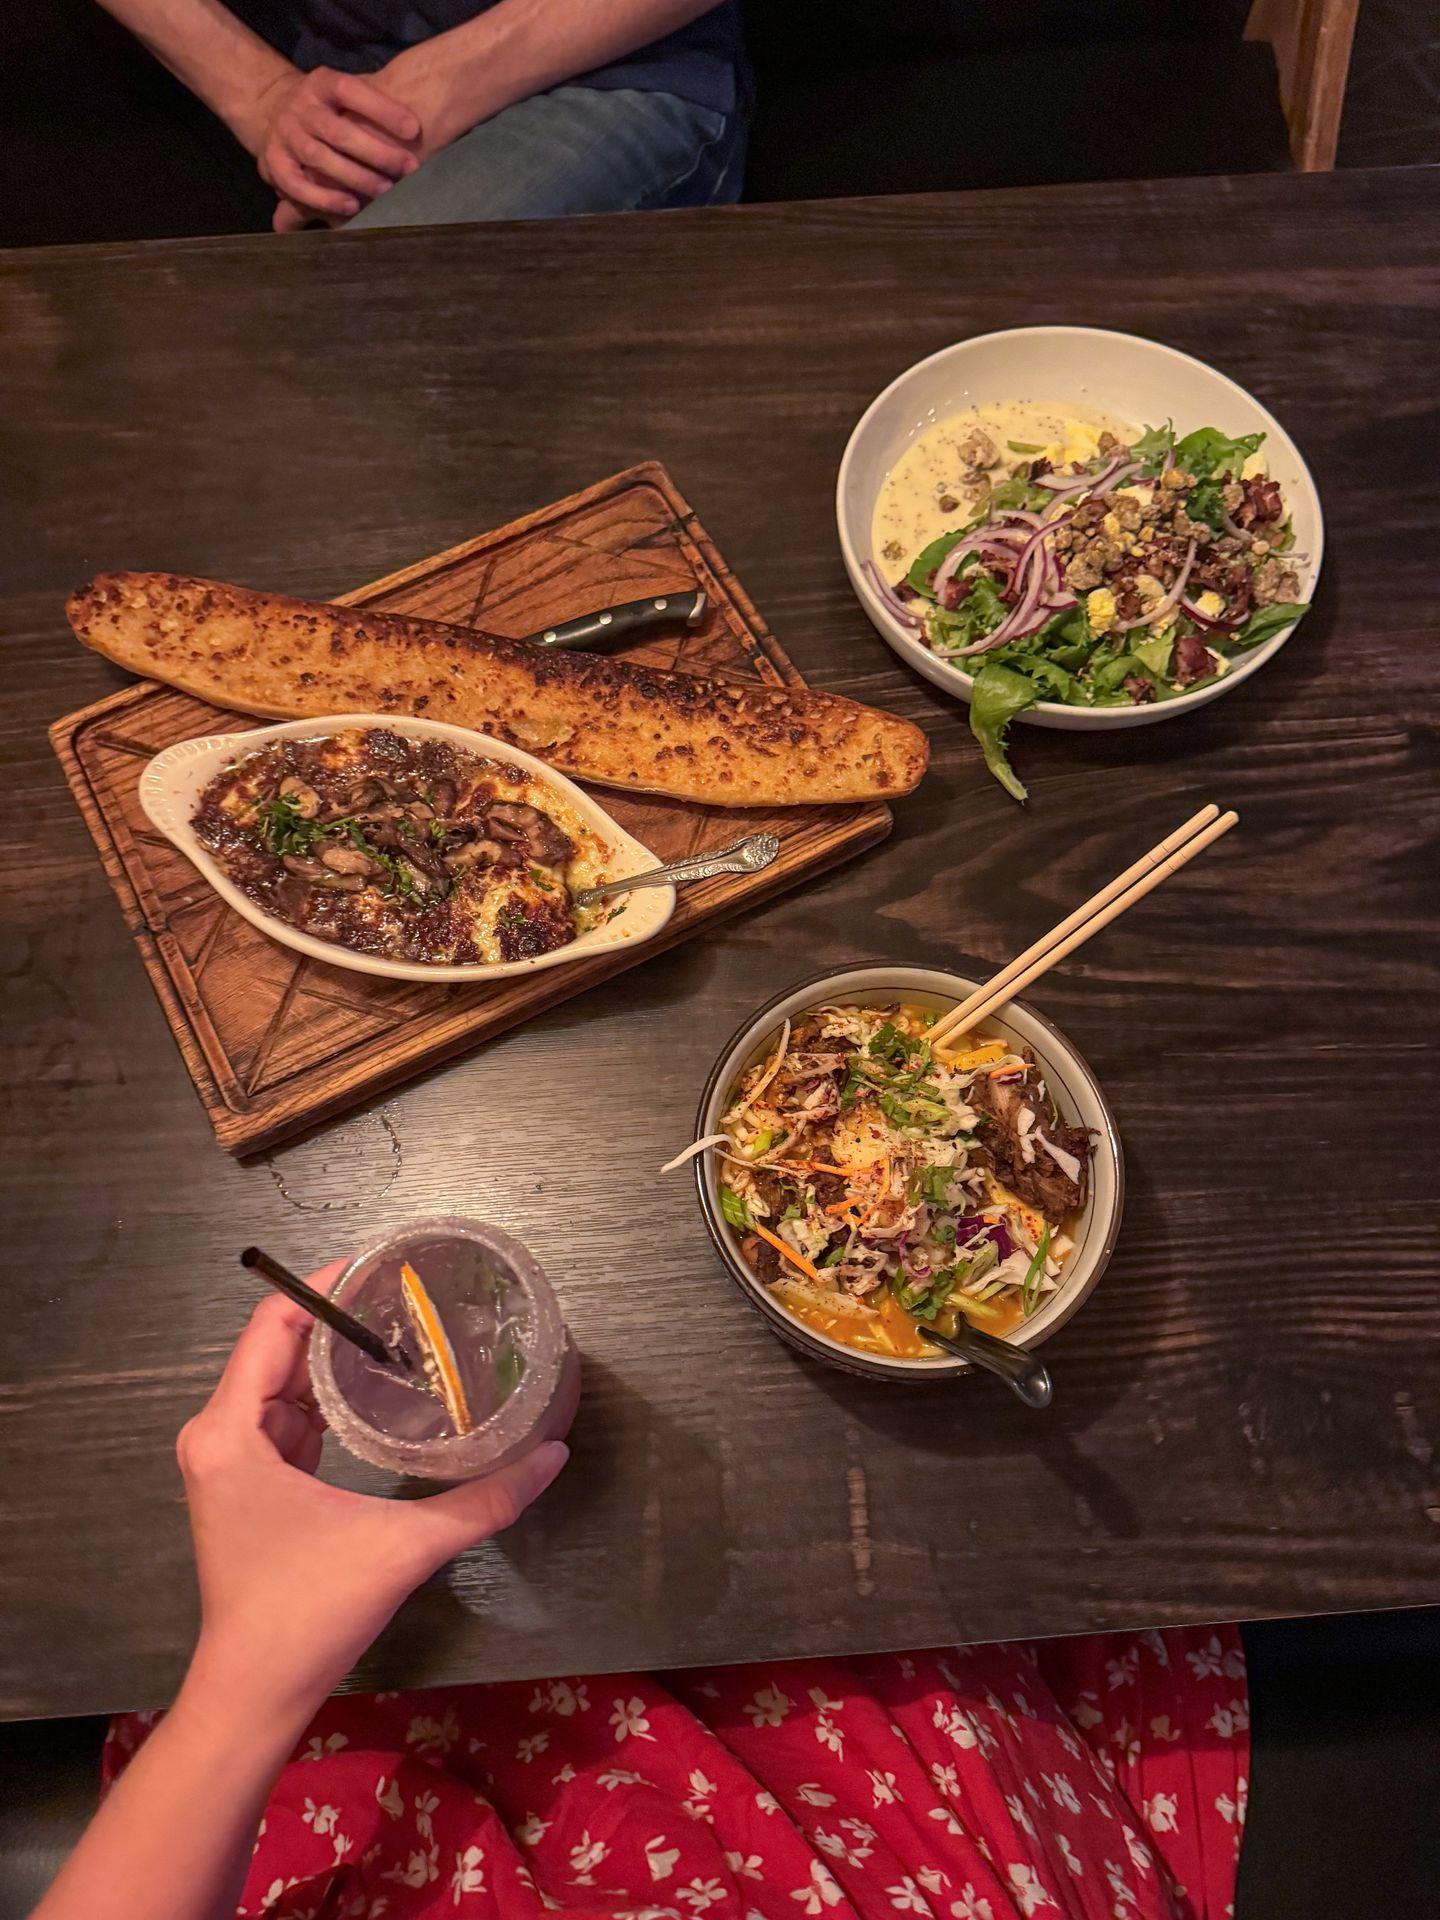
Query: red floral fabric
{"points": [[1099, 1779]]}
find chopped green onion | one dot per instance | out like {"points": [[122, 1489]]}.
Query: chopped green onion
{"points": [[1030, 1285], [1023, 446], [735, 1209]]}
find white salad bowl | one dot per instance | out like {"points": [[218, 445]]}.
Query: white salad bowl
{"points": [[1077, 1096], [173, 781], [1134, 380]]}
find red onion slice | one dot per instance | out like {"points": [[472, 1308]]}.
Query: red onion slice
{"points": [[1169, 603], [1213, 623], [891, 600]]}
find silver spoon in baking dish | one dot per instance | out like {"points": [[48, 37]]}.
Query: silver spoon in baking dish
{"points": [[1027, 1378], [750, 855]]}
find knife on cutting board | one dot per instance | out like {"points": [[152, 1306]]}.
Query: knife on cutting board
{"points": [[608, 624]]}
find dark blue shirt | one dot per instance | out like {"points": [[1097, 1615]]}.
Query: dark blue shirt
{"points": [[698, 62]]}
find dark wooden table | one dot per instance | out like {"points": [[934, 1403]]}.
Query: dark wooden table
{"points": [[1246, 1412]]}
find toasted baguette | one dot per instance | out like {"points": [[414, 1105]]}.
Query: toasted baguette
{"points": [[598, 719]]}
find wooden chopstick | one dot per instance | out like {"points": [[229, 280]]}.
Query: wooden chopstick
{"points": [[1098, 911]]}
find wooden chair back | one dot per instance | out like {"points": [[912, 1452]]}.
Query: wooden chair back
{"points": [[1311, 39]]}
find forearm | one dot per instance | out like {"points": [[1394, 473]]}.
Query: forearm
{"points": [[173, 1839], [524, 47], [213, 53]]}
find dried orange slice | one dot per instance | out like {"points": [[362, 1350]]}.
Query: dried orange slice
{"points": [[437, 1354]]}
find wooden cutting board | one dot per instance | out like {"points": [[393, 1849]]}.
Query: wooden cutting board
{"points": [[276, 1042]]}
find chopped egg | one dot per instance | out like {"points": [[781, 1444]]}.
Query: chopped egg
{"points": [[1210, 604], [1111, 526], [1149, 588], [1100, 606]]}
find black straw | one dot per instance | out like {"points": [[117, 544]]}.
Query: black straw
{"points": [[336, 1318]]}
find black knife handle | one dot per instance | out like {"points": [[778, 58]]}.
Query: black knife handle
{"points": [[616, 623]]}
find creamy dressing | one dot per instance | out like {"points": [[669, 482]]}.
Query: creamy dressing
{"points": [[932, 489]]}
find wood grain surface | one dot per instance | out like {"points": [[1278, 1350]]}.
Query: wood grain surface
{"points": [[276, 1042], [1247, 1410]]}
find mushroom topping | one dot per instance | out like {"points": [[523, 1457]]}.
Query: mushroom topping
{"points": [[444, 793], [513, 820], [302, 798], [364, 793], [347, 860], [307, 869], [488, 852]]}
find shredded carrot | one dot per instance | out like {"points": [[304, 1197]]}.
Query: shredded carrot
{"points": [[787, 1253], [1003, 1073]]}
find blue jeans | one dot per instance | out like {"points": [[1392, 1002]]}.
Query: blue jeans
{"points": [[575, 150]]}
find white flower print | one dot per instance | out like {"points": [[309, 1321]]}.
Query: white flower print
{"points": [[1120, 1888], [419, 1870], [700, 1786], [531, 1744], [970, 1906], [1029, 1892], [748, 1865], [618, 1777], [701, 1894], [823, 1890], [838, 1848], [859, 1830], [563, 1777], [558, 1696], [661, 1858], [1024, 1705], [388, 1793], [1122, 1671], [629, 1720], [1156, 1643], [1159, 1811], [882, 1786], [947, 1819], [709, 1689], [585, 1855], [1102, 1806], [906, 1666], [812, 1794], [1127, 1740], [1072, 1860], [433, 1736], [1161, 1729], [829, 1735], [947, 1780], [955, 1724], [469, 1874], [1206, 1660], [767, 1803], [532, 1830], [1033, 1791], [821, 1704], [318, 1749], [907, 1897], [322, 1819], [769, 1707], [1067, 1740], [1061, 1791], [1085, 1713], [1228, 1721], [425, 1805], [932, 1879], [1136, 1848], [1016, 1807], [1232, 1812], [343, 1844]]}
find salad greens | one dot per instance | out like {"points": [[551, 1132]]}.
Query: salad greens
{"points": [[1136, 577]]}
